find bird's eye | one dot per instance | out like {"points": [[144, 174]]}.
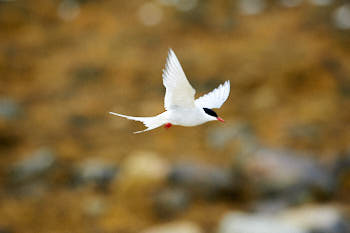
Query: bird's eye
{"points": [[210, 112]]}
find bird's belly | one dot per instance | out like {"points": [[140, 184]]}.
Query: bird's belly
{"points": [[185, 122], [185, 118]]}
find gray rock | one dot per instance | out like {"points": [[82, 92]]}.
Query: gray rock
{"points": [[201, 179], [270, 206], [341, 17], [317, 219], [251, 7], [239, 222], [144, 167], [170, 202], [282, 173], [321, 2], [150, 14], [9, 108], [95, 171], [33, 166], [175, 227], [307, 219], [68, 10]]}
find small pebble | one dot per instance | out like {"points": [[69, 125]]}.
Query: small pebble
{"points": [[95, 171], [170, 202], [175, 227], [341, 17], [251, 7], [9, 109], [33, 166]]}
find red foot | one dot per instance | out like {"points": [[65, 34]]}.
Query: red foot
{"points": [[167, 125]]}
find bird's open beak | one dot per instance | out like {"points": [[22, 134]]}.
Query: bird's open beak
{"points": [[220, 119]]}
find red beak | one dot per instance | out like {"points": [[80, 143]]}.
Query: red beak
{"points": [[220, 119]]}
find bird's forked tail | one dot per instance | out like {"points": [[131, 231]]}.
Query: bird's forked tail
{"points": [[149, 122]]}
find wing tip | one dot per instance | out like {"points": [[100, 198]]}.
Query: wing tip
{"points": [[171, 55], [227, 83]]}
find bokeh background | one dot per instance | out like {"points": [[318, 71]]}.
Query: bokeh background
{"points": [[280, 163]]}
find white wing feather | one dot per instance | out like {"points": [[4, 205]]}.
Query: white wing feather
{"points": [[215, 98], [179, 91], [149, 122]]}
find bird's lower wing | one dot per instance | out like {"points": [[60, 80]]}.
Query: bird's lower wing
{"points": [[179, 91]]}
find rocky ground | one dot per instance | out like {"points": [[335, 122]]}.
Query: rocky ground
{"points": [[280, 163]]}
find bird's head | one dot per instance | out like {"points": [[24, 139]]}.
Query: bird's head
{"points": [[212, 115]]}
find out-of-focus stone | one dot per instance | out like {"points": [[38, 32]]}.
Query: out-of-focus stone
{"points": [[94, 207], [186, 5], [68, 10], [238, 222], [150, 14], [307, 219], [341, 17], [320, 219], [95, 171], [8, 108], [33, 166], [170, 202], [270, 206], [175, 227], [251, 7], [144, 167], [321, 2], [271, 172], [201, 179]]}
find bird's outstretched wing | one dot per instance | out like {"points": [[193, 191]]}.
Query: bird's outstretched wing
{"points": [[215, 98], [179, 92]]}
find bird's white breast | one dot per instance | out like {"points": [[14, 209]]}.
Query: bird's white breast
{"points": [[186, 116]]}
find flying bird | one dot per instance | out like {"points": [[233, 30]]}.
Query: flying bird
{"points": [[179, 102]]}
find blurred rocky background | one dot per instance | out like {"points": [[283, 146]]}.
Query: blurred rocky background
{"points": [[280, 163]]}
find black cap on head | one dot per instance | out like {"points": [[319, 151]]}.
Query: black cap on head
{"points": [[210, 112]]}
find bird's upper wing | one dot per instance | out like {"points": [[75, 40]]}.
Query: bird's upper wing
{"points": [[215, 98], [179, 92]]}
